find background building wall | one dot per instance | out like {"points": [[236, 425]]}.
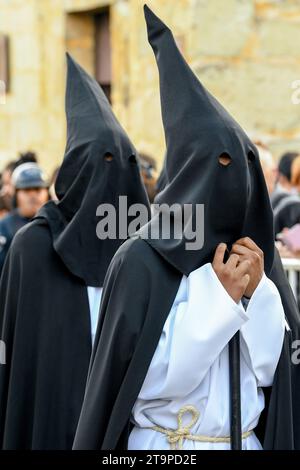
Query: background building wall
{"points": [[247, 52], [32, 117]]}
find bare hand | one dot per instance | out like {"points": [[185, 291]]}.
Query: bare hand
{"points": [[233, 274], [246, 249]]}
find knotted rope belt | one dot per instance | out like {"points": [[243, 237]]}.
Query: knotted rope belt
{"points": [[177, 436]]}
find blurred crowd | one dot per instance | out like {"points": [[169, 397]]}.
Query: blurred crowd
{"points": [[24, 188], [283, 183]]}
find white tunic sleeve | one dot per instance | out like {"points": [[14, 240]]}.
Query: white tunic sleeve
{"points": [[202, 326], [262, 336]]}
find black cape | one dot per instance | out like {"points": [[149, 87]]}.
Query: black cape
{"points": [[139, 291], [45, 321]]}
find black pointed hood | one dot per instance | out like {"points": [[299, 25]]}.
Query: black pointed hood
{"points": [[198, 130], [100, 164]]}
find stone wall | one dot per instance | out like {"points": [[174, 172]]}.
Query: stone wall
{"points": [[33, 117], [247, 52]]}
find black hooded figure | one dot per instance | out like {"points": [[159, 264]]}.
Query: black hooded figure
{"points": [[45, 309], [132, 328]]}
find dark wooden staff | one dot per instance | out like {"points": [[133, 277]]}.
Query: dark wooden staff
{"points": [[235, 393]]}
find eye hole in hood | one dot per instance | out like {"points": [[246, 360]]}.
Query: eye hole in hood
{"points": [[108, 157], [225, 159]]}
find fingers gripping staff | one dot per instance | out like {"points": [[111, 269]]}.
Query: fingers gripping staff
{"points": [[235, 279]]}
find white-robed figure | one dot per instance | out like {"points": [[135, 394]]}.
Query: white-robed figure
{"points": [[160, 371], [184, 401], [185, 398]]}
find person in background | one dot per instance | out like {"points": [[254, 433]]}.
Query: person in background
{"points": [[7, 188], [284, 185], [295, 175], [287, 211], [27, 157], [3, 209], [268, 166], [149, 174], [30, 193], [52, 182]]}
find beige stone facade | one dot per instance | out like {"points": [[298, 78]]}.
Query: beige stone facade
{"points": [[247, 52]]}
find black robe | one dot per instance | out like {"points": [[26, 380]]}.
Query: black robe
{"points": [[44, 308], [139, 291], [48, 341]]}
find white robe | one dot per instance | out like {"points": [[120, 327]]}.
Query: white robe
{"points": [[191, 367], [94, 295]]}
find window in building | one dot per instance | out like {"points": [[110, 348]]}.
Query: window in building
{"points": [[4, 68], [103, 52]]}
